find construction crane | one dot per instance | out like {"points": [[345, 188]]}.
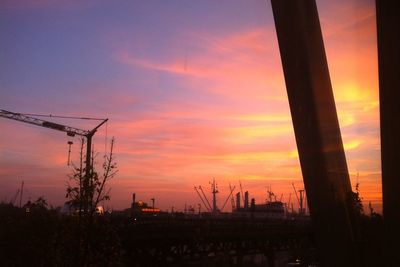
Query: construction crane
{"points": [[71, 131]]}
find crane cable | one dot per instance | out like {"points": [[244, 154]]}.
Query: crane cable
{"points": [[76, 118], [61, 117]]}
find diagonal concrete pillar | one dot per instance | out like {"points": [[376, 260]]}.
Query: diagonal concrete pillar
{"points": [[388, 21], [316, 127]]}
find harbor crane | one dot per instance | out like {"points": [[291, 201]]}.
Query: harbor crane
{"points": [[71, 131], [230, 196], [214, 190], [300, 199], [203, 198], [233, 204]]}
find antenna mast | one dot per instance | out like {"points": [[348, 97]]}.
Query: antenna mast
{"points": [[214, 192]]}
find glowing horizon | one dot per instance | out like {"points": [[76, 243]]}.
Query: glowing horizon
{"points": [[193, 91]]}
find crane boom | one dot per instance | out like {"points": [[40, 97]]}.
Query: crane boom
{"points": [[71, 131], [230, 194], [241, 190], [208, 202], [232, 199], [12, 201], [201, 198]]}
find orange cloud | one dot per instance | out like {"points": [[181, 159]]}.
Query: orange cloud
{"points": [[242, 66], [218, 109]]}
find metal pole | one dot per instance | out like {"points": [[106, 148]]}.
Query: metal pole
{"points": [[388, 21], [87, 190], [88, 170], [316, 127]]}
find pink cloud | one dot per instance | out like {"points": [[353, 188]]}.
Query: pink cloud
{"points": [[228, 118], [237, 65]]}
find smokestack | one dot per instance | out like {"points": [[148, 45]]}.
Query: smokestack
{"points": [[237, 200], [133, 204], [246, 200], [133, 200]]}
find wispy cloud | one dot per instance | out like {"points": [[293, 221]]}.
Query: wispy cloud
{"points": [[244, 64]]}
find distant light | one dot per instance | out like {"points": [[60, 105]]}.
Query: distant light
{"points": [[100, 210], [150, 210]]}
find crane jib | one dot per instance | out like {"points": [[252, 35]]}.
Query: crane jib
{"points": [[71, 131], [54, 126]]}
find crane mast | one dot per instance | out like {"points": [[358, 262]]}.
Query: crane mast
{"points": [[71, 131]]}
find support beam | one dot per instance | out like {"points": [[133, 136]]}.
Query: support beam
{"points": [[316, 127], [388, 21]]}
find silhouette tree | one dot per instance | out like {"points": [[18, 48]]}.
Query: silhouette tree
{"points": [[92, 192], [96, 190], [355, 202]]}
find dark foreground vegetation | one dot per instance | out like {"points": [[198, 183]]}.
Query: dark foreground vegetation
{"points": [[39, 236], [44, 237]]}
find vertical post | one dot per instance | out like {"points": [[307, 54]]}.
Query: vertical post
{"points": [[316, 127], [301, 202], [246, 200], [88, 170], [388, 21], [214, 192], [152, 206], [133, 205]]}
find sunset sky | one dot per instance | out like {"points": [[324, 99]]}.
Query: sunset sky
{"points": [[193, 90]]}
